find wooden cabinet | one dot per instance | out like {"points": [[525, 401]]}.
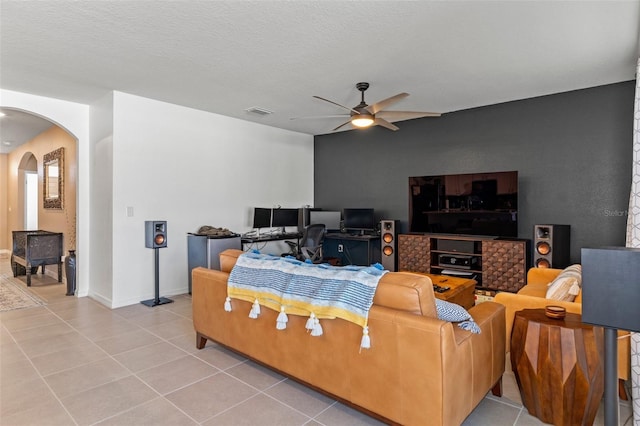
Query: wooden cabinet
{"points": [[505, 264], [494, 263], [414, 253]]}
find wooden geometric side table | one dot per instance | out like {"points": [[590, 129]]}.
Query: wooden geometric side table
{"points": [[559, 366]]}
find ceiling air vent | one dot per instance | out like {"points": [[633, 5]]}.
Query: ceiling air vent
{"points": [[259, 111]]}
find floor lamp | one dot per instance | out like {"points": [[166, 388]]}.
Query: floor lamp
{"points": [[611, 299]]}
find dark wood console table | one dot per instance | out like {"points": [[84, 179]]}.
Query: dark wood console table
{"points": [[32, 249], [559, 366]]}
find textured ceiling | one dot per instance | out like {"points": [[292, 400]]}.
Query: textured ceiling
{"points": [[18, 127], [227, 56]]}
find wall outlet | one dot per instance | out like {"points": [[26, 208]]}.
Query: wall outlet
{"points": [[340, 248]]}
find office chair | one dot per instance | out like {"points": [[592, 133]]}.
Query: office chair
{"points": [[310, 246]]}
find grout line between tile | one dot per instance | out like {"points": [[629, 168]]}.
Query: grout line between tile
{"points": [[42, 379]]}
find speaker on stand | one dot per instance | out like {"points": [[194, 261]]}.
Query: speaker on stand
{"points": [[551, 246], [389, 244], [155, 237]]}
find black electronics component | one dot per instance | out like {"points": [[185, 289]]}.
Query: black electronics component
{"points": [[457, 261]]}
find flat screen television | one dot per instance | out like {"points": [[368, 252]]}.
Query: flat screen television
{"points": [[361, 219], [471, 204], [261, 218], [330, 219], [284, 217]]}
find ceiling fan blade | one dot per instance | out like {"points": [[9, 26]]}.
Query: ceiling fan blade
{"points": [[320, 116], [385, 103], [405, 115], [341, 106], [384, 123], [343, 124]]}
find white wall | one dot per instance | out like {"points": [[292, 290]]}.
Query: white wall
{"points": [[171, 163], [192, 168], [74, 118], [102, 199]]}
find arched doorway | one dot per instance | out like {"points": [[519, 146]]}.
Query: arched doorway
{"points": [[74, 118], [32, 206]]}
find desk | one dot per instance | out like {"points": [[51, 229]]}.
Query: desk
{"points": [[265, 238], [558, 364], [356, 249]]}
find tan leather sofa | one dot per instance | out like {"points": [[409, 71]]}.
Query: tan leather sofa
{"points": [[532, 296], [419, 370]]}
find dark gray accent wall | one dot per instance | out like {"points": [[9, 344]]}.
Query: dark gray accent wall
{"points": [[573, 153]]}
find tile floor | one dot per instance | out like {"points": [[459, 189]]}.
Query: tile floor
{"points": [[76, 362]]}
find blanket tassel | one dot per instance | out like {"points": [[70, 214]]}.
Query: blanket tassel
{"points": [[310, 322], [365, 343], [227, 304], [471, 326], [255, 310], [317, 328], [281, 322]]}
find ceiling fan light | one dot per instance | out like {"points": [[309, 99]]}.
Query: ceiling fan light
{"points": [[362, 120]]}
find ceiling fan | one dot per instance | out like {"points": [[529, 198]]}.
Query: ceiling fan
{"points": [[363, 115]]}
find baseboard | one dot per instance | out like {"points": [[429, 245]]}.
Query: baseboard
{"points": [[5, 254], [100, 299]]}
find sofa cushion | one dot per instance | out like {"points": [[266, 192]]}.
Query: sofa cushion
{"points": [[406, 292], [535, 289], [567, 284]]}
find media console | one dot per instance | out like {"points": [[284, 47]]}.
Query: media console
{"points": [[495, 263]]}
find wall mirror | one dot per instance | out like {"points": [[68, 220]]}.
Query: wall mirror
{"points": [[53, 185]]}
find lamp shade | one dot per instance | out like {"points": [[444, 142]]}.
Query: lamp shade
{"points": [[362, 120], [611, 287]]}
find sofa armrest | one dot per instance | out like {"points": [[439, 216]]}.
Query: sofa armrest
{"points": [[483, 352], [488, 314], [514, 302], [208, 293]]}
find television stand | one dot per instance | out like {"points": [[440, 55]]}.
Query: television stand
{"points": [[496, 264]]}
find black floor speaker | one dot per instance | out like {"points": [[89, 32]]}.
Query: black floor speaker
{"points": [[389, 244], [551, 246]]}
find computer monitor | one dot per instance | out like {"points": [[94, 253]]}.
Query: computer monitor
{"points": [[261, 218], [330, 219], [284, 217], [361, 219]]}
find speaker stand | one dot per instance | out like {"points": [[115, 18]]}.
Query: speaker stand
{"points": [[158, 300], [611, 406]]}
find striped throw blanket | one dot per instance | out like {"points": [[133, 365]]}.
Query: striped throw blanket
{"points": [[290, 286]]}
